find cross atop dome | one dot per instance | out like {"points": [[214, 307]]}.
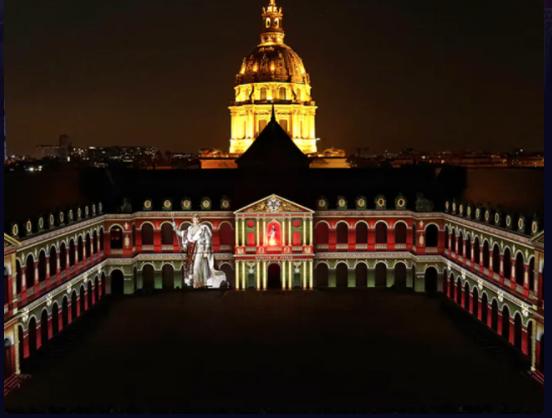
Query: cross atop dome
{"points": [[273, 32]]}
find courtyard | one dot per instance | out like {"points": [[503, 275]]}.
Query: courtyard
{"points": [[290, 351]]}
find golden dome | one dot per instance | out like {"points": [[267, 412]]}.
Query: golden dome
{"points": [[273, 62]]}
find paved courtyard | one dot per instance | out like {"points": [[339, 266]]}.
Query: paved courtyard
{"points": [[299, 351]]}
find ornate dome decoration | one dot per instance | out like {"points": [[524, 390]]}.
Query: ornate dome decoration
{"points": [[273, 74], [275, 62]]}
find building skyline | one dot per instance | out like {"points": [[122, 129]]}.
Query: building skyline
{"points": [[390, 86]]}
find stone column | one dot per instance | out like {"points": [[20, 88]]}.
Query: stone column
{"points": [[351, 274], [525, 341], [38, 335], [332, 277], [50, 327], [238, 275], [371, 277], [490, 316], [26, 350], [390, 277]]}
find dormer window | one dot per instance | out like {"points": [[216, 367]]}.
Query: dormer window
{"points": [[277, 22], [268, 22]]}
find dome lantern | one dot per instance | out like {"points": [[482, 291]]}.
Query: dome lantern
{"points": [[273, 31]]}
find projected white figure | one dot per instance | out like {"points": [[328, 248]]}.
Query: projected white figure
{"points": [[200, 270]]}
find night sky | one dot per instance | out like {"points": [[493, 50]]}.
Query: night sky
{"points": [[386, 74]]}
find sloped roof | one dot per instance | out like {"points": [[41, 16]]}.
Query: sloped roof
{"points": [[273, 150]]}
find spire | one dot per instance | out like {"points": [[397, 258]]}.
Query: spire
{"points": [[273, 32]]}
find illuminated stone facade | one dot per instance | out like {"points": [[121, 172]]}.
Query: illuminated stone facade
{"points": [[491, 265], [273, 74]]}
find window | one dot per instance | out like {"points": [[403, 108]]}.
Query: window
{"points": [[283, 93], [116, 238], [264, 94]]}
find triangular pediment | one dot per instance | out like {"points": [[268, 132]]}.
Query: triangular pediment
{"points": [[10, 242], [274, 204], [539, 238]]}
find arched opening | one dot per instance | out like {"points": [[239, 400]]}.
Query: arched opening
{"points": [[74, 306], [274, 277], [508, 264], [468, 247], [484, 309], [82, 300], [322, 234], [342, 233], [97, 289], [21, 350], [381, 275], [95, 243], [530, 344], [486, 255], [381, 233], [147, 234], [89, 294], [494, 316], [414, 236], [467, 296], [518, 332], [134, 280], [102, 239], [65, 312], [116, 238], [80, 250], [167, 274], [148, 278], [431, 280], [167, 235], [55, 319], [361, 233], [42, 266], [264, 91], [476, 302], [117, 283], [361, 272], [477, 251], [400, 277], [532, 276], [520, 269], [342, 275], [459, 292], [400, 233], [432, 236], [30, 272], [18, 277], [227, 236], [62, 257], [447, 238], [88, 247], [496, 259], [8, 359], [32, 337], [283, 93], [104, 285], [506, 323], [72, 253], [44, 327], [322, 275], [53, 261]]}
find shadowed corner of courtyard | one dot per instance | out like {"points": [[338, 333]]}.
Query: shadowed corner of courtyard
{"points": [[293, 350]]}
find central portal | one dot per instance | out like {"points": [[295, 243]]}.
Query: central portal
{"points": [[274, 277]]}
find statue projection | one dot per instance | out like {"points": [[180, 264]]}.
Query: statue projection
{"points": [[199, 268]]}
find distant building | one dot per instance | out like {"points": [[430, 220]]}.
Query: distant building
{"points": [[61, 151]]}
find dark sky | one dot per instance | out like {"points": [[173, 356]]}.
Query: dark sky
{"points": [[386, 74]]}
